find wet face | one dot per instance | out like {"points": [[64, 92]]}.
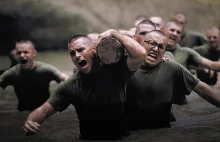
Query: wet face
{"points": [[82, 54], [25, 53], [213, 38], [155, 44], [173, 33], [141, 32]]}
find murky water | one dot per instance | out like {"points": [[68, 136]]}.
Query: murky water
{"points": [[198, 121]]}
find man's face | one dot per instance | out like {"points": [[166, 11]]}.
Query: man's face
{"points": [[173, 33], [182, 20], [157, 21], [25, 53], [155, 44], [213, 38], [141, 31], [81, 52]]}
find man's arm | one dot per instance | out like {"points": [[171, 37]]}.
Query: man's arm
{"points": [[36, 118], [135, 51], [206, 92], [63, 77], [217, 84], [213, 65]]}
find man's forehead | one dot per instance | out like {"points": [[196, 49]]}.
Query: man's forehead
{"points": [[24, 46], [80, 42], [213, 32], [146, 27], [174, 25], [156, 37], [156, 20]]}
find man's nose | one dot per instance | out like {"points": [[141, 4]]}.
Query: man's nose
{"points": [[156, 48], [78, 55], [22, 55], [175, 33]]}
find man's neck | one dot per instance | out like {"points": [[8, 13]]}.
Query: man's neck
{"points": [[171, 48]]}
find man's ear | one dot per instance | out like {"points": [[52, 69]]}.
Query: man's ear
{"points": [[94, 48], [141, 43], [35, 52]]}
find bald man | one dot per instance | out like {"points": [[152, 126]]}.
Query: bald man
{"points": [[157, 20], [30, 78], [211, 51]]}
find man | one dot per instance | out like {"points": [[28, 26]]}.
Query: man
{"points": [[188, 38], [97, 91], [142, 29], [30, 78], [137, 20], [211, 51], [157, 20], [157, 84], [185, 56]]}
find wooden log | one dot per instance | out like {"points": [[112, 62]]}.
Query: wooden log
{"points": [[110, 50]]}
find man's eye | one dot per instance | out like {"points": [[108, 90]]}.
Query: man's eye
{"points": [[143, 33], [72, 53], [153, 43], [160, 46]]}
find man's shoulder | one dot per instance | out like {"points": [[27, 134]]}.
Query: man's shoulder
{"points": [[204, 47], [195, 34], [170, 64], [44, 66], [73, 78], [187, 50]]}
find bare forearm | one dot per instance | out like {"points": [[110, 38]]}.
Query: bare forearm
{"points": [[213, 65], [63, 77], [206, 92], [41, 113], [216, 66]]}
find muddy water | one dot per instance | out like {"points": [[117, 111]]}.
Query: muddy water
{"points": [[198, 121]]}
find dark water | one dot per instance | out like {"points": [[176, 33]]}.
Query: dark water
{"points": [[198, 121]]}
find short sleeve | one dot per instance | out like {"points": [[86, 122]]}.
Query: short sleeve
{"points": [[61, 99], [195, 57], [7, 77], [54, 73], [186, 81]]}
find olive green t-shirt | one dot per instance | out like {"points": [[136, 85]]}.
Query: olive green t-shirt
{"points": [[191, 39], [169, 55], [151, 92], [186, 56], [98, 99], [31, 86], [211, 54]]}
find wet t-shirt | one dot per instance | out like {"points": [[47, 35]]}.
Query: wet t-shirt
{"points": [[31, 86], [151, 92], [98, 99]]}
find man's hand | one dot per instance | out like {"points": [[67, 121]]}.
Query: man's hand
{"points": [[105, 34], [31, 128], [164, 59], [217, 84]]}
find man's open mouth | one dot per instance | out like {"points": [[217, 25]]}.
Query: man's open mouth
{"points": [[23, 61], [82, 63], [152, 55]]}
